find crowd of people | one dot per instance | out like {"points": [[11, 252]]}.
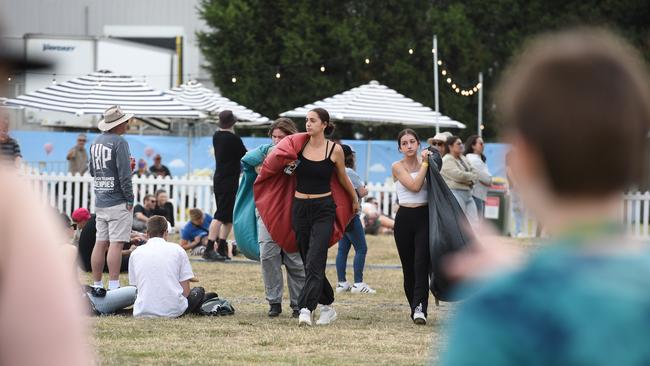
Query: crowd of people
{"points": [[308, 198]]}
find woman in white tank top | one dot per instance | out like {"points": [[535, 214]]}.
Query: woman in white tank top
{"points": [[412, 222]]}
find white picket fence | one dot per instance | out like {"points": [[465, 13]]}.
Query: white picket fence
{"points": [[67, 192]]}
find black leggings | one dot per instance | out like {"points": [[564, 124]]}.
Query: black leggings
{"points": [[412, 239], [313, 223]]}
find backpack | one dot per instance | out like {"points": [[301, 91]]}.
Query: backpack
{"points": [[216, 307]]}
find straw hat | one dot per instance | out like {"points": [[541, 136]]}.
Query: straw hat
{"points": [[113, 116]]}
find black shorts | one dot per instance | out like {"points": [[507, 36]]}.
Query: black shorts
{"points": [[225, 206]]}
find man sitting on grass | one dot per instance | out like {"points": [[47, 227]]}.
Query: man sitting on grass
{"points": [[161, 271], [194, 236]]}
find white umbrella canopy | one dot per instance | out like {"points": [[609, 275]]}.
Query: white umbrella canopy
{"points": [[197, 96], [94, 93], [374, 103]]}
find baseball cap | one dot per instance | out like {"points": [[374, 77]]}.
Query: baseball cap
{"points": [[80, 214]]}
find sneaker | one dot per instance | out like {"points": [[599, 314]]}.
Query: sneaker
{"points": [[295, 313], [362, 288], [275, 310], [212, 256], [343, 287], [418, 316], [305, 317], [327, 315]]}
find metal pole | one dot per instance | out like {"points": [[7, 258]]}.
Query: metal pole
{"points": [[435, 80], [190, 130], [480, 104]]}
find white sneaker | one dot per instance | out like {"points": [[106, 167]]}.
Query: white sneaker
{"points": [[419, 318], [343, 287], [362, 288], [305, 317], [327, 315]]}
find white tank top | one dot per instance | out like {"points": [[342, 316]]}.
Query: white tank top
{"points": [[404, 195]]}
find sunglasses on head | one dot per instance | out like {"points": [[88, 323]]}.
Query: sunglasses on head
{"points": [[439, 143]]}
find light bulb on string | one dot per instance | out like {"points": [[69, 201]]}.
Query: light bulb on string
{"points": [[471, 92], [410, 51], [448, 80], [322, 68], [457, 90], [444, 72], [9, 78], [453, 86], [439, 62], [234, 79], [433, 50], [479, 85], [367, 61], [277, 75], [475, 89], [482, 127]]}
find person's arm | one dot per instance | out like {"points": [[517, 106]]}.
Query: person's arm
{"points": [[451, 170], [342, 176], [123, 162], [71, 153], [169, 207], [481, 169], [402, 175], [140, 216], [130, 250], [186, 287], [363, 191], [187, 245], [34, 259], [167, 172]]}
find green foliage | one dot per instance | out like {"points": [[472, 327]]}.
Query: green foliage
{"points": [[253, 39]]}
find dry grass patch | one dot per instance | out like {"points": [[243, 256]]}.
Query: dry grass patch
{"points": [[370, 330]]}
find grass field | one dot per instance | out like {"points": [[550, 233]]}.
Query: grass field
{"points": [[370, 330]]}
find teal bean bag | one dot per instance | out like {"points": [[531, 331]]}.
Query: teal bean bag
{"points": [[244, 219]]}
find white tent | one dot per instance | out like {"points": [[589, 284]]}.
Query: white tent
{"points": [[193, 94], [376, 104], [94, 93]]}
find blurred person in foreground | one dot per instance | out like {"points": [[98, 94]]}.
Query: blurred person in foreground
{"points": [[33, 259], [582, 299]]}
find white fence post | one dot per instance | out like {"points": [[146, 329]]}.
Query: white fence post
{"points": [[67, 192]]}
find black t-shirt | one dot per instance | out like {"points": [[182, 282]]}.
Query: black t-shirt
{"points": [[228, 151], [162, 171], [167, 211], [87, 243], [142, 210]]}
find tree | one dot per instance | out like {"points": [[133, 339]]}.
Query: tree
{"points": [[252, 40]]}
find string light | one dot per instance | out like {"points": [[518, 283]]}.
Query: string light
{"points": [[410, 51], [322, 68], [9, 78], [433, 50], [234, 79], [482, 127], [456, 88], [277, 75], [367, 61]]}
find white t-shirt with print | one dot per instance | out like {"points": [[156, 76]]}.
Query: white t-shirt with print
{"points": [[156, 269]]}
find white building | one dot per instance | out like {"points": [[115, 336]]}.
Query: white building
{"points": [[152, 39]]}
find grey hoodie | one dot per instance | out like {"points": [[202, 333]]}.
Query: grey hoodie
{"points": [[110, 164]]}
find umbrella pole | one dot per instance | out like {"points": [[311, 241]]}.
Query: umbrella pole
{"points": [[190, 129], [435, 80], [368, 149]]}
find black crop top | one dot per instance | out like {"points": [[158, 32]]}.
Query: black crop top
{"points": [[314, 176]]}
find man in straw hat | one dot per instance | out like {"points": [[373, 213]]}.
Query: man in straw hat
{"points": [[110, 164], [228, 151]]}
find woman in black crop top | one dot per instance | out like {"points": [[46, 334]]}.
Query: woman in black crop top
{"points": [[314, 211]]}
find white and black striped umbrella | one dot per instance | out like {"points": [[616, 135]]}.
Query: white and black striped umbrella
{"points": [[197, 96], [94, 93], [374, 103]]}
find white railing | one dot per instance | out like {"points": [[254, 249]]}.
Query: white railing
{"points": [[67, 192]]}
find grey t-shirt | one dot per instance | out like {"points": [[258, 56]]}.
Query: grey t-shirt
{"points": [[110, 164]]}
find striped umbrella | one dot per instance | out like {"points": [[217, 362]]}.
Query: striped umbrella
{"points": [[94, 93], [193, 94], [374, 103]]}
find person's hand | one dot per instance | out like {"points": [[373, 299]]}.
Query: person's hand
{"points": [[489, 255], [132, 248], [132, 162], [129, 207], [356, 206], [425, 155]]}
